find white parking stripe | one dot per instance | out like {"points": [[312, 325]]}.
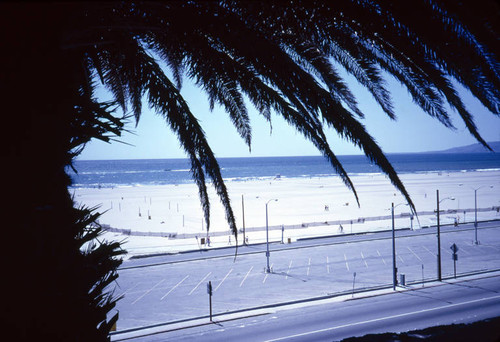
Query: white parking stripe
{"points": [[201, 281], [381, 256], [231, 270], [250, 270], [289, 265], [267, 274], [414, 253], [308, 266], [173, 288], [346, 264], [427, 249], [148, 291], [363, 257], [327, 265]]}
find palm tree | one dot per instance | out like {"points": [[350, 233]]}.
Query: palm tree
{"points": [[283, 57]]}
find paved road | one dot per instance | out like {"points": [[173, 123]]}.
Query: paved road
{"points": [[460, 302], [174, 290]]}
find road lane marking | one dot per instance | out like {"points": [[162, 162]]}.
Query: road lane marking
{"points": [[250, 270], [231, 270], [363, 257], [148, 291], [173, 288], [289, 265], [129, 289], [201, 281], [427, 249], [346, 264], [308, 266], [399, 256], [381, 257], [327, 265], [383, 318], [414, 253], [267, 274]]}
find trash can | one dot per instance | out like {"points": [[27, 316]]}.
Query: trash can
{"points": [[202, 241], [289, 240], [402, 279]]}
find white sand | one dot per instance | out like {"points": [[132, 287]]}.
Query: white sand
{"points": [[176, 209]]}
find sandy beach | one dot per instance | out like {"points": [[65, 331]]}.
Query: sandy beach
{"points": [[168, 218]]}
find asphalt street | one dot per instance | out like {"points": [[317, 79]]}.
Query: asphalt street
{"points": [[173, 288], [456, 302]]}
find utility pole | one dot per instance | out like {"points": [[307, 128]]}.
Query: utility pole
{"points": [[438, 240], [243, 214], [394, 269]]}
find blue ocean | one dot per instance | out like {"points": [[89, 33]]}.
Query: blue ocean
{"points": [[110, 173]]}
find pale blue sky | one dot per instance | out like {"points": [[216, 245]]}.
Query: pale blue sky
{"points": [[414, 131]]}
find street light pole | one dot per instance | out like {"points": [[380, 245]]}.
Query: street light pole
{"points": [[243, 215], [475, 216], [268, 269], [394, 270], [439, 233], [438, 239], [475, 210]]}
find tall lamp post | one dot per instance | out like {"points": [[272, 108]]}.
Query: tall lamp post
{"points": [[394, 268], [243, 215], [439, 233], [475, 211], [268, 269]]}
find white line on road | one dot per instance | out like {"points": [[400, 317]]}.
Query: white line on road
{"points": [[327, 265], [363, 257], [308, 266], [289, 265], [173, 288], [413, 253], [346, 264], [399, 256], [201, 281], [381, 257], [130, 289], [148, 291], [427, 249], [231, 270], [267, 274], [250, 270], [383, 318]]}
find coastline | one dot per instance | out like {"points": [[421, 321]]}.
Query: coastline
{"points": [[169, 212]]}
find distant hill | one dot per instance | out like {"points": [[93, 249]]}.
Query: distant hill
{"points": [[474, 148]]}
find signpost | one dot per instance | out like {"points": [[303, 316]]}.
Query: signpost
{"points": [[353, 282], [209, 291], [454, 249]]}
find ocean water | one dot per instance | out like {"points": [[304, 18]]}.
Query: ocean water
{"points": [[110, 173]]}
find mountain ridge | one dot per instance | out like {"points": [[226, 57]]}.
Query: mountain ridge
{"points": [[473, 148]]}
